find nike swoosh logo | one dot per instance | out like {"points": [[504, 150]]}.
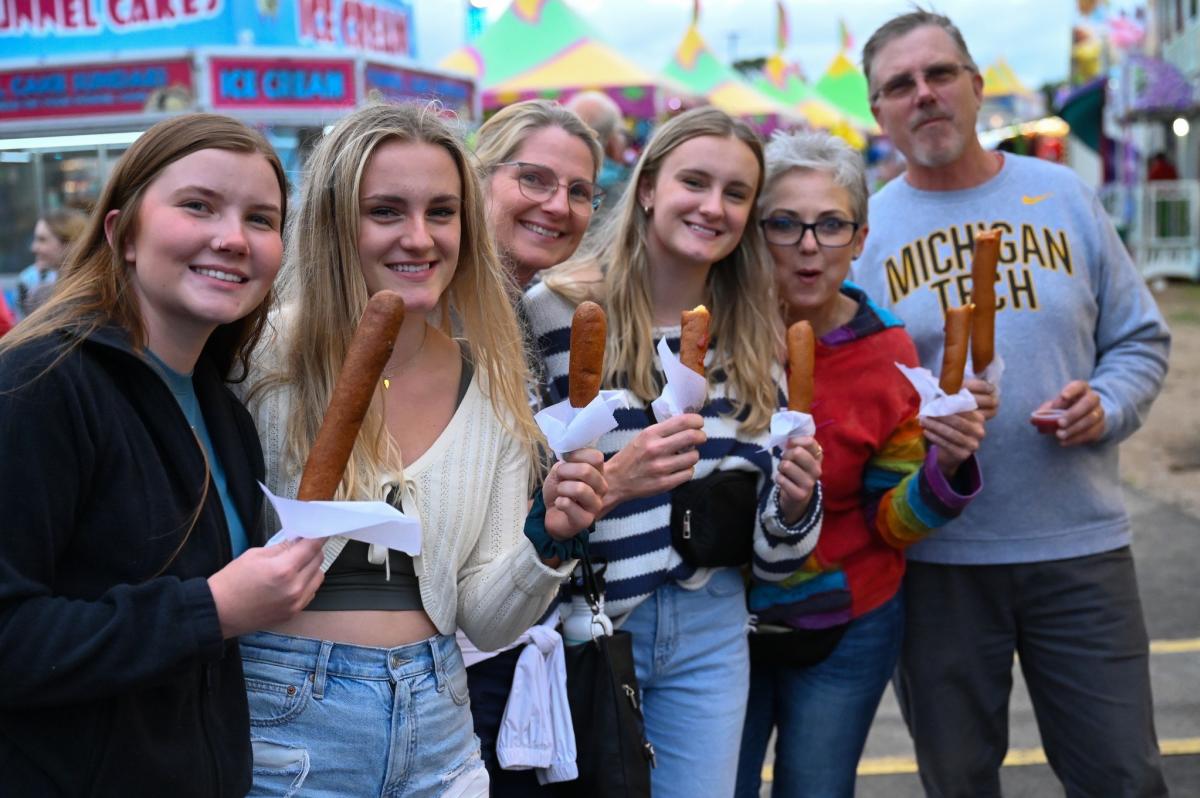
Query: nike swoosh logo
{"points": [[1034, 200]]}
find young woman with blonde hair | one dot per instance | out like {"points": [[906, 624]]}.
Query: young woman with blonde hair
{"points": [[365, 691], [683, 235], [52, 237], [127, 483]]}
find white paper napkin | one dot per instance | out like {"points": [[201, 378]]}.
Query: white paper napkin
{"points": [[992, 374], [685, 390], [789, 424], [374, 522], [935, 402], [569, 428]]}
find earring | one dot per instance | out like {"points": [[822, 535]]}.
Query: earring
{"points": [[646, 209]]}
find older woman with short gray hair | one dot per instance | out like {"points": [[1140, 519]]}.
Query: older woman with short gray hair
{"points": [[828, 636]]}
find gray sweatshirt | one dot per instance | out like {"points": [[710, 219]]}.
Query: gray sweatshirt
{"points": [[1070, 306]]}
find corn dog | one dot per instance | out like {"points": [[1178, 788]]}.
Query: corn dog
{"points": [[588, 331], [954, 356], [368, 354], [983, 295], [693, 338], [801, 344]]}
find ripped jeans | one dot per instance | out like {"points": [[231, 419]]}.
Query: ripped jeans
{"points": [[330, 719]]}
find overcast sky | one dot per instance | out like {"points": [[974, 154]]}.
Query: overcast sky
{"points": [[1033, 35]]}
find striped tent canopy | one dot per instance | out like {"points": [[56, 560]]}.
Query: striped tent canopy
{"points": [[785, 83], [845, 87], [694, 66], [999, 80], [541, 48]]}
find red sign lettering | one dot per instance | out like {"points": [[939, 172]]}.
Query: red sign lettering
{"points": [[46, 16]]}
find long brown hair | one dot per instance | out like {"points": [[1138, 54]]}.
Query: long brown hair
{"points": [[741, 293], [93, 287]]}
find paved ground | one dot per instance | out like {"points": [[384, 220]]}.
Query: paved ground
{"points": [[1165, 547]]}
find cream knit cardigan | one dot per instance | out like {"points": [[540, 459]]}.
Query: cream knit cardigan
{"points": [[476, 570]]}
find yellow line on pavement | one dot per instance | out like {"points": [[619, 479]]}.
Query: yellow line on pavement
{"points": [[1188, 746], [1017, 757], [1175, 646]]}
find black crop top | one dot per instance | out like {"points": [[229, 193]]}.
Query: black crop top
{"points": [[353, 582]]}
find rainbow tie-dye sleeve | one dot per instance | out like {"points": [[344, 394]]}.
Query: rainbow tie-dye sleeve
{"points": [[914, 497]]}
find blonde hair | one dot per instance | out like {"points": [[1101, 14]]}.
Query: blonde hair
{"points": [[66, 224], [93, 285], [741, 287], [323, 294], [502, 135]]}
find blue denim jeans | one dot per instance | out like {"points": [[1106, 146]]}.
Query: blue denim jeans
{"points": [[329, 719], [692, 662], [822, 712]]}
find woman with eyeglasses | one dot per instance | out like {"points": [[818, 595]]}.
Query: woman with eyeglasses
{"points": [[538, 163], [828, 636], [683, 234]]}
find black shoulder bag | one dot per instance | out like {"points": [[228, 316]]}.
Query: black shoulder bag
{"points": [[612, 753]]}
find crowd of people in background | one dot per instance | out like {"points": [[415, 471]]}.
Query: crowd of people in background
{"points": [[152, 643]]}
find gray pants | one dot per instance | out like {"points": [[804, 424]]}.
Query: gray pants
{"points": [[1078, 629]]}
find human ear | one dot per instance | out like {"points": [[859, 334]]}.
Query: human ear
{"points": [[110, 231]]}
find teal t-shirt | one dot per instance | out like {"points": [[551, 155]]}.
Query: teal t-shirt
{"points": [[185, 393]]}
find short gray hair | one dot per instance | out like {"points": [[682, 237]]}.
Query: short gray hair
{"points": [[817, 152], [599, 111], [904, 24]]}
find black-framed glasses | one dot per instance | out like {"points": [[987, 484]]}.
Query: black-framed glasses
{"points": [[936, 76], [540, 183], [785, 231]]}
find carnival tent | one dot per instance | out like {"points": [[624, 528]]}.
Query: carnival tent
{"points": [[695, 66], [999, 80], [783, 82], [541, 48], [1006, 100], [845, 86]]}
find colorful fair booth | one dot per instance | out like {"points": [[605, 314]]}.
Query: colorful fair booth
{"points": [[79, 81], [695, 66], [543, 49]]}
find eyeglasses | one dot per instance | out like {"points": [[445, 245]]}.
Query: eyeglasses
{"points": [[540, 183], [832, 232], [937, 76]]}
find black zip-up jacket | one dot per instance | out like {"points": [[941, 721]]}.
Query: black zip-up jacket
{"points": [[114, 678]]}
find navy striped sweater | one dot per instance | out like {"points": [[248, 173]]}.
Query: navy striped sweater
{"points": [[635, 538]]}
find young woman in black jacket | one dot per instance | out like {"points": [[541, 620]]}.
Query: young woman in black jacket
{"points": [[127, 482]]}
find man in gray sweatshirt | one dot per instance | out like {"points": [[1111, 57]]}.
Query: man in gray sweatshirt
{"points": [[1040, 563]]}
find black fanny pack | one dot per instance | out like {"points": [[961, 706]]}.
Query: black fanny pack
{"points": [[793, 648], [713, 519]]}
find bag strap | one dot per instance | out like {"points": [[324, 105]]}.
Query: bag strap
{"points": [[591, 589]]}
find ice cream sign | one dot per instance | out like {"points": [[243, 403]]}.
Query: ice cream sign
{"points": [[378, 27], [247, 83]]}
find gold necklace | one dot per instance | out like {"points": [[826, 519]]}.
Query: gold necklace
{"points": [[388, 374]]}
